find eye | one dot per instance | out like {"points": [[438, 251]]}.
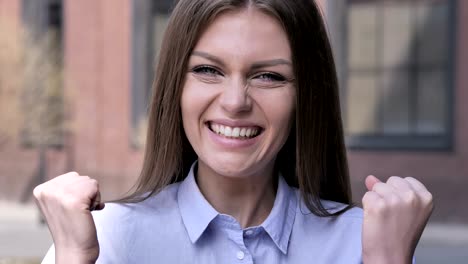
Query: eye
{"points": [[268, 80], [270, 77], [207, 71]]}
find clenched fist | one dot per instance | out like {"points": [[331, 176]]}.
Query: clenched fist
{"points": [[395, 214], [66, 203]]}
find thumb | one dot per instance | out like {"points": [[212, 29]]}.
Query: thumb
{"points": [[371, 180]]}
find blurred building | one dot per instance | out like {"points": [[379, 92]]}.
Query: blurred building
{"points": [[403, 72], [402, 65]]}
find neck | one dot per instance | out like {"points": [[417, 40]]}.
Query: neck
{"points": [[248, 199]]}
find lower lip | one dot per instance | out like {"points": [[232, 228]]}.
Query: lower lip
{"points": [[232, 143]]}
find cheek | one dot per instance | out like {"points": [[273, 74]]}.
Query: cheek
{"points": [[282, 114], [194, 101], [188, 106], [189, 102], [280, 110]]}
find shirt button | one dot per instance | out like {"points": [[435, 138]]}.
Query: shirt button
{"points": [[248, 232], [240, 255]]}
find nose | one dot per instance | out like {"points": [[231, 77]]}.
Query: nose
{"points": [[235, 98]]}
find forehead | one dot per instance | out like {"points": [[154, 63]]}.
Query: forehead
{"points": [[247, 32]]}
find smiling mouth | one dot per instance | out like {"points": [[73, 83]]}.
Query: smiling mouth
{"points": [[235, 132]]}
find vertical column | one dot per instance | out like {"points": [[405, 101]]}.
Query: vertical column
{"points": [[82, 57]]}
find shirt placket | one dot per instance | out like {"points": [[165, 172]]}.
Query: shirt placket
{"points": [[240, 253]]}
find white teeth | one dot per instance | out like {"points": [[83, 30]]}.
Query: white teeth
{"points": [[242, 132], [227, 131], [234, 132]]}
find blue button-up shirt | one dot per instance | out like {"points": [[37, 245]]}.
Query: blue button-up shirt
{"points": [[178, 225]]}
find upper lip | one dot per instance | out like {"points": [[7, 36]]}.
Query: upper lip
{"points": [[234, 123]]}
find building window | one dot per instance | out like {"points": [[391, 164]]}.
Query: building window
{"points": [[149, 21], [42, 100], [398, 82]]}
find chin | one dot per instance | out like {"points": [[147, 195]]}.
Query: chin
{"points": [[236, 168]]}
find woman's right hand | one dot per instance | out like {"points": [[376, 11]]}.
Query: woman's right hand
{"points": [[66, 203]]}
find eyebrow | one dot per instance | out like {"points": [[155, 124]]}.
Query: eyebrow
{"points": [[256, 65]]}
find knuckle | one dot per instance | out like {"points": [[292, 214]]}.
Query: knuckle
{"points": [[410, 178], [72, 174], [367, 198], [94, 185], [37, 192], [393, 179], [393, 201], [42, 192], [427, 197], [379, 206], [410, 197], [378, 186]]}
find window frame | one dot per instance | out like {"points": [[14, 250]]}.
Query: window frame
{"points": [[405, 142], [38, 24], [142, 61]]}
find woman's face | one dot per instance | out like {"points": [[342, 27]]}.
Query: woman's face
{"points": [[238, 98]]}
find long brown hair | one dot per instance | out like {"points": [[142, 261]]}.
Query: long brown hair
{"points": [[313, 158]]}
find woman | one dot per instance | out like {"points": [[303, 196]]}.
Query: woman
{"points": [[245, 160]]}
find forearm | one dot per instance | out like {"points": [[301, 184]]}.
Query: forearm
{"points": [[67, 256], [387, 259]]}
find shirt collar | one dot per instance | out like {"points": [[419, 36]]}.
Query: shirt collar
{"points": [[279, 222], [195, 210], [197, 213]]}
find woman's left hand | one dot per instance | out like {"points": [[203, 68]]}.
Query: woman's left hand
{"points": [[395, 214]]}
